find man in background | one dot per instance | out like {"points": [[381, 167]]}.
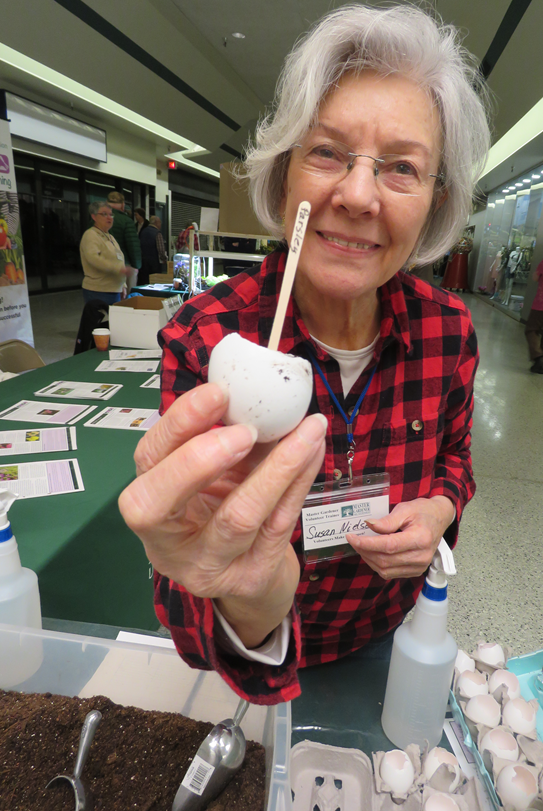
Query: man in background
{"points": [[153, 250], [125, 232]]}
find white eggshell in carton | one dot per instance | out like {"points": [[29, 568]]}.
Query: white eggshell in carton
{"points": [[490, 656], [516, 785], [383, 769], [464, 662], [483, 710], [520, 715], [472, 684], [267, 389], [502, 684], [501, 742], [441, 769]]}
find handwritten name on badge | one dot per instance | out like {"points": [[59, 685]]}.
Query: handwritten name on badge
{"points": [[328, 525]]}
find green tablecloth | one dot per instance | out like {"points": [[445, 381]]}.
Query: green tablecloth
{"points": [[90, 566]]}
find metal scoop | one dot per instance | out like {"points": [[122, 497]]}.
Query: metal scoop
{"points": [[83, 797], [215, 763]]}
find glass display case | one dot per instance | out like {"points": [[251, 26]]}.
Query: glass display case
{"points": [[508, 241]]}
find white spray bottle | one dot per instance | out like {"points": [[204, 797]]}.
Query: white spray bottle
{"points": [[19, 593], [422, 663]]}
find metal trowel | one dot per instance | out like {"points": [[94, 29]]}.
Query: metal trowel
{"points": [[215, 763]]}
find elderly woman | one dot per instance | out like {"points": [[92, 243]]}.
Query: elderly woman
{"points": [[379, 126], [102, 259]]}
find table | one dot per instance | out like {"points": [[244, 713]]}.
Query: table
{"points": [[90, 566], [157, 292]]}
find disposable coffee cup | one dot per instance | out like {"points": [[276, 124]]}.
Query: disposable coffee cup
{"points": [[101, 339]]}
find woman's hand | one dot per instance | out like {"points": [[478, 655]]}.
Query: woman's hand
{"points": [[216, 514], [407, 538]]}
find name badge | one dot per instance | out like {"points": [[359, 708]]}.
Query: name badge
{"points": [[120, 256], [334, 509]]}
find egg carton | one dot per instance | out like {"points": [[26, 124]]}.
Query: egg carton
{"points": [[331, 778], [531, 746]]}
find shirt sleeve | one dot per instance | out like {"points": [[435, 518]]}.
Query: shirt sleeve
{"points": [[453, 470]]}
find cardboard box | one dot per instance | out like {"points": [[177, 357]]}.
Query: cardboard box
{"points": [[134, 323]]}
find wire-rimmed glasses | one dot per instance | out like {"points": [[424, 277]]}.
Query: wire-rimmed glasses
{"points": [[332, 161]]}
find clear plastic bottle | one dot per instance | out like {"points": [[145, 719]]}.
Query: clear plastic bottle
{"points": [[19, 592], [422, 664]]}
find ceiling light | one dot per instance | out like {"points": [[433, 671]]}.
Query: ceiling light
{"points": [[536, 177], [526, 181], [518, 184], [504, 191], [238, 35]]}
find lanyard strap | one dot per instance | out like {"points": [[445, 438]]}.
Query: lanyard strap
{"points": [[348, 420]]}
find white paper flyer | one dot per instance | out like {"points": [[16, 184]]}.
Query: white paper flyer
{"points": [[34, 479], [79, 391], [37, 440], [127, 419], [36, 411]]}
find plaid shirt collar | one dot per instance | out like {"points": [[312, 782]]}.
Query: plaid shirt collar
{"points": [[394, 318]]}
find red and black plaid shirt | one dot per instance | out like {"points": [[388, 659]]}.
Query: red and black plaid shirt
{"points": [[426, 357]]}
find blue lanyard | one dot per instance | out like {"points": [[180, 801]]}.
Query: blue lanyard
{"points": [[348, 420]]}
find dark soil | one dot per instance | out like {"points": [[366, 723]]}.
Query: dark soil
{"points": [[136, 762]]}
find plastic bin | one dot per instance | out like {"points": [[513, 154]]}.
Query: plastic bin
{"points": [[146, 676]]}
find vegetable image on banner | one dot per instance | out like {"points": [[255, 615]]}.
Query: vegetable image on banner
{"points": [[15, 321]]}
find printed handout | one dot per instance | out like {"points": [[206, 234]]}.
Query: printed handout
{"points": [[127, 419], [79, 390], [37, 440], [33, 479], [128, 366], [134, 354], [38, 411], [152, 383]]}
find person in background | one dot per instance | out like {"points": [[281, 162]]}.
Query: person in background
{"points": [[125, 232], [534, 325], [182, 244], [153, 250], [380, 124], [103, 262], [141, 220]]}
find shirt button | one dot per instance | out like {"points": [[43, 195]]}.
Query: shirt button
{"points": [[350, 412], [337, 474], [313, 577], [416, 425]]}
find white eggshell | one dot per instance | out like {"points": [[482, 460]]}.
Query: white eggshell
{"points": [[440, 802], [397, 771], [501, 743], [509, 680], [520, 716], [435, 758], [491, 653], [484, 710], [464, 662], [516, 786], [267, 389], [472, 684]]}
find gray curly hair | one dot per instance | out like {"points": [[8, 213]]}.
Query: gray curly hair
{"points": [[398, 39]]}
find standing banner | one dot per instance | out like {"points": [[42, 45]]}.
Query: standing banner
{"points": [[15, 319]]}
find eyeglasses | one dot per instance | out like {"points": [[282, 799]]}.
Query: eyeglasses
{"points": [[332, 161], [104, 214]]}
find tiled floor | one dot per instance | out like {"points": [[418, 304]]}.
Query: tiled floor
{"points": [[498, 592]]}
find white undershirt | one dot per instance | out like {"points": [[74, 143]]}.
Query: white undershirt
{"points": [[351, 365]]}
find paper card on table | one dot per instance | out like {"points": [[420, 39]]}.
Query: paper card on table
{"points": [[39, 411], [79, 390], [134, 354], [127, 419], [128, 366], [152, 383], [37, 440], [34, 479]]}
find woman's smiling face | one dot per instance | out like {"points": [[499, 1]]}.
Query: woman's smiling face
{"points": [[362, 230]]}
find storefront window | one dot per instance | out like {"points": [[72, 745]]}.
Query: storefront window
{"points": [[513, 214]]}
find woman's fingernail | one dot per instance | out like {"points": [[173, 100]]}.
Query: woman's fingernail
{"points": [[237, 439], [313, 428]]}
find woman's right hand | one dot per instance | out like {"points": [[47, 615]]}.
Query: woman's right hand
{"points": [[216, 513]]}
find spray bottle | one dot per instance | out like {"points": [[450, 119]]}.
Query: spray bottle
{"points": [[422, 663], [19, 593]]}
